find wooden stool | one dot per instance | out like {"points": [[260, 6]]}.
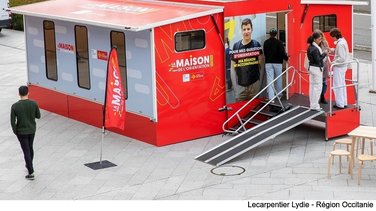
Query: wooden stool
{"points": [[361, 159], [371, 143], [339, 153], [344, 141]]}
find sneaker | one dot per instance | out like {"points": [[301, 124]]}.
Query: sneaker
{"points": [[337, 107], [30, 177], [316, 109]]}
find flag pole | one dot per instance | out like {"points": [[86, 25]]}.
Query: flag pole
{"points": [[104, 110], [103, 133], [102, 163]]}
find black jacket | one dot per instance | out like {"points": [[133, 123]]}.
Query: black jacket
{"points": [[315, 58], [274, 51]]}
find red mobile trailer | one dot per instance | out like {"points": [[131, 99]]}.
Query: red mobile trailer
{"points": [[170, 54], [173, 58]]}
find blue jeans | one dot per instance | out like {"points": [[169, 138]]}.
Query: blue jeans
{"points": [[273, 70]]}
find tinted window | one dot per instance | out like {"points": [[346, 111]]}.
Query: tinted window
{"points": [[50, 50], [118, 41], [324, 23], [191, 40], [82, 57]]}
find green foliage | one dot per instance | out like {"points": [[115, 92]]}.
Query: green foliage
{"points": [[17, 20]]}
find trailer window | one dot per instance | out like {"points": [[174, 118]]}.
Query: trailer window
{"points": [[50, 50], [191, 40], [324, 23], [118, 41], [82, 57]]}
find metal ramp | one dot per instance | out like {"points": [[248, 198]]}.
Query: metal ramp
{"points": [[257, 135]]}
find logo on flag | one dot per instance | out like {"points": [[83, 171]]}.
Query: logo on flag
{"points": [[114, 113]]}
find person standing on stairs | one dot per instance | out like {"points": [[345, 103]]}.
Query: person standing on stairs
{"points": [[275, 53], [341, 55], [324, 45], [316, 63]]}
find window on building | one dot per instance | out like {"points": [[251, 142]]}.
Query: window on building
{"points": [[50, 50], [190, 40], [82, 56], [118, 41], [324, 23]]}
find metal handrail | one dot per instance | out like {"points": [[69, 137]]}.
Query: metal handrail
{"points": [[300, 69], [353, 83], [236, 114]]}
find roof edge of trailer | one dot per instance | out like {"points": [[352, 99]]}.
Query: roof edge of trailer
{"points": [[340, 2], [178, 19], [209, 10], [122, 27]]}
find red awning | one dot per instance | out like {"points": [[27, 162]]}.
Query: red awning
{"points": [[118, 14]]}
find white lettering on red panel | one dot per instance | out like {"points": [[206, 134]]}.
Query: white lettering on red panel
{"points": [[121, 8]]}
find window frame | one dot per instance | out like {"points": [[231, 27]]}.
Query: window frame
{"points": [[190, 40], [124, 75], [324, 26], [79, 57], [48, 76]]}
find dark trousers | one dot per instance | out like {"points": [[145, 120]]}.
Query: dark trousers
{"points": [[228, 79], [324, 86], [26, 142]]}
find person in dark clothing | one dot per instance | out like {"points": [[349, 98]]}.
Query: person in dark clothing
{"points": [[228, 65], [275, 53], [22, 118], [316, 63]]}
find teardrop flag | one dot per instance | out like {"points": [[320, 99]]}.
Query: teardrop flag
{"points": [[114, 105]]}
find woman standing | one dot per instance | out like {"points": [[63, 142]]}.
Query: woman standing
{"points": [[324, 45], [341, 54], [316, 63]]}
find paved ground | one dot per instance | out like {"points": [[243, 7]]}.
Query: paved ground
{"points": [[292, 166]]}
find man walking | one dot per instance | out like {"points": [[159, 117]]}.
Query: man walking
{"points": [[22, 119]]}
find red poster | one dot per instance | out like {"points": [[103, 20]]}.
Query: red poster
{"points": [[114, 113]]}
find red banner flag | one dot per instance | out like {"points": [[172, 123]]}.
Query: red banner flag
{"points": [[114, 110]]}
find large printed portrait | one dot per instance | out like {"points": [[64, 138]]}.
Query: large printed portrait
{"points": [[244, 36]]}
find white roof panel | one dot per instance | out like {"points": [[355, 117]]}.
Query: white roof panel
{"points": [[118, 14]]}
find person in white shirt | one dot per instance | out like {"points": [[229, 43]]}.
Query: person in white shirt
{"points": [[341, 54]]}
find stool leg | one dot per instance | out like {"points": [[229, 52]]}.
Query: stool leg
{"points": [[329, 164], [357, 147], [349, 157], [340, 164], [360, 171], [334, 148], [371, 143], [348, 149]]}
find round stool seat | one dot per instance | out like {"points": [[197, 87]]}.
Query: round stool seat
{"points": [[340, 152], [366, 157], [343, 141]]}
